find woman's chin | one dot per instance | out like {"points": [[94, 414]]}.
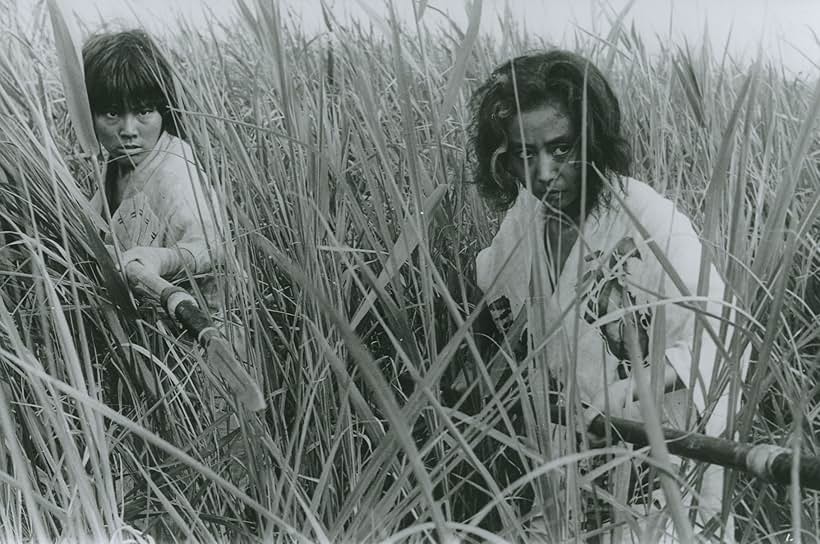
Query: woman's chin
{"points": [[554, 200], [536, 191], [128, 159]]}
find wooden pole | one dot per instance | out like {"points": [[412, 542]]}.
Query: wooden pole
{"points": [[766, 461]]}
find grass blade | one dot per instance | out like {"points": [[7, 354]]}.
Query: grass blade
{"points": [[71, 69]]}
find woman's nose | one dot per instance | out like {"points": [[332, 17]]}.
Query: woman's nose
{"points": [[128, 126], [547, 166]]}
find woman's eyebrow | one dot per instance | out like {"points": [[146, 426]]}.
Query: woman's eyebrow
{"points": [[563, 139], [143, 103]]}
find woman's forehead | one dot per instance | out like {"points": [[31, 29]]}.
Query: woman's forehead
{"points": [[124, 102], [544, 124]]}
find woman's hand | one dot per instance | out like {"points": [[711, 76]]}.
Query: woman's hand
{"points": [[617, 400], [623, 401], [160, 261], [151, 259]]}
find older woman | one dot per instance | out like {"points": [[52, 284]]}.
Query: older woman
{"points": [[596, 261]]}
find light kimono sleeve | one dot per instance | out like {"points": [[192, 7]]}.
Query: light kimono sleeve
{"points": [[675, 237], [672, 231], [193, 216], [503, 270]]}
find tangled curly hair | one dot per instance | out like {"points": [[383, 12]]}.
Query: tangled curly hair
{"points": [[126, 70], [548, 77]]}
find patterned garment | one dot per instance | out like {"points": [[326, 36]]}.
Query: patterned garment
{"points": [[164, 205], [609, 293]]}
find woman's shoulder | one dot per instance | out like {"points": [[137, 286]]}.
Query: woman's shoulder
{"points": [[640, 196], [173, 167], [174, 153], [657, 213]]}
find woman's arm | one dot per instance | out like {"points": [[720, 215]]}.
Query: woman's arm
{"points": [[193, 242], [161, 261], [196, 226], [621, 400], [622, 393]]}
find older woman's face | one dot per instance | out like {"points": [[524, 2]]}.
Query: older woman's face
{"points": [[542, 155]]}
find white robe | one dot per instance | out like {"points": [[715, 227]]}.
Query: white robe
{"points": [[618, 273], [505, 269]]}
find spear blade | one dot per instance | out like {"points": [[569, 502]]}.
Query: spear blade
{"points": [[221, 363]]}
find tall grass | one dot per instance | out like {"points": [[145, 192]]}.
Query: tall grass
{"points": [[343, 166]]}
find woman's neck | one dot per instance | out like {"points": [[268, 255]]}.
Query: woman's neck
{"points": [[116, 181], [560, 235]]}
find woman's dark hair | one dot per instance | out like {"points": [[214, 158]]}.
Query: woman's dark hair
{"points": [[127, 70], [551, 77]]}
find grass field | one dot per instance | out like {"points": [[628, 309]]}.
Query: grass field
{"points": [[357, 304]]}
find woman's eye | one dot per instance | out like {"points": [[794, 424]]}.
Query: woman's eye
{"points": [[561, 151], [112, 115], [146, 112], [525, 154]]}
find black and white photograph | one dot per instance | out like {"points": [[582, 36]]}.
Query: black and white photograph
{"points": [[410, 271]]}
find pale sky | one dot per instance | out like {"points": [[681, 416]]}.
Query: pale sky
{"points": [[786, 27]]}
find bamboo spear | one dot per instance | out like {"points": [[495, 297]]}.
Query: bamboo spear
{"points": [[766, 461], [220, 361]]}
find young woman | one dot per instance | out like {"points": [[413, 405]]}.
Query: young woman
{"points": [[575, 254], [163, 213], [154, 189]]}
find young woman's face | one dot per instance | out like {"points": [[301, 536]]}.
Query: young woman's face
{"points": [[542, 155], [129, 135]]}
